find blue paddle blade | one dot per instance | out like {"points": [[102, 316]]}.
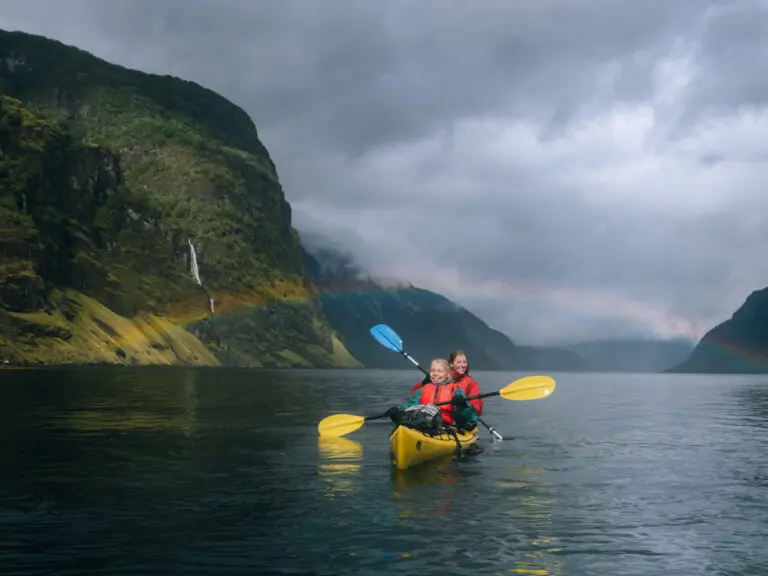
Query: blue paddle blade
{"points": [[387, 337]]}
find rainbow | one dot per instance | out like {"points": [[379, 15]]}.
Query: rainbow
{"points": [[598, 302], [727, 358], [603, 303]]}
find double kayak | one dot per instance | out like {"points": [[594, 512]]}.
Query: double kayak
{"points": [[410, 447]]}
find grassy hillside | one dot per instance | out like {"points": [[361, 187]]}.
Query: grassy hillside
{"points": [[167, 161]]}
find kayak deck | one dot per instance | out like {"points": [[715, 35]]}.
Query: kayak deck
{"points": [[410, 447]]}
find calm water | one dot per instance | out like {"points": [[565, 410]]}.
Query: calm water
{"points": [[172, 471]]}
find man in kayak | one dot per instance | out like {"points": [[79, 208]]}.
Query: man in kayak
{"points": [[442, 388], [460, 370]]}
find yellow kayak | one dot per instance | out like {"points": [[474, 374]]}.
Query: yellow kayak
{"points": [[411, 447]]}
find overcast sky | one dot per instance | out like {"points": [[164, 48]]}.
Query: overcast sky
{"points": [[567, 169]]}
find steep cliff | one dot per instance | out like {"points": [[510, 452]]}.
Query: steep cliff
{"points": [[737, 346], [430, 324], [72, 236], [184, 163]]}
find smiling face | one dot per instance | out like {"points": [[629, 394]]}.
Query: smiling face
{"points": [[459, 365], [439, 371]]}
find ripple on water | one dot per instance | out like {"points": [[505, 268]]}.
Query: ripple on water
{"points": [[189, 474]]}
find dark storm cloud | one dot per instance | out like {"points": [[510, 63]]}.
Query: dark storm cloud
{"points": [[608, 154], [734, 48], [359, 74]]}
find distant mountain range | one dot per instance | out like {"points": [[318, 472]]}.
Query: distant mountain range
{"points": [[431, 326], [633, 355]]}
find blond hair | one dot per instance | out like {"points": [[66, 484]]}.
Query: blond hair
{"points": [[444, 363]]}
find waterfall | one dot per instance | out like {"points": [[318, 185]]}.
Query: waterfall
{"points": [[193, 263], [196, 273]]}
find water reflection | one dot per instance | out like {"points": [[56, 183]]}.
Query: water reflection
{"points": [[82, 404], [191, 401], [408, 492], [528, 517], [741, 434], [449, 499], [339, 466]]}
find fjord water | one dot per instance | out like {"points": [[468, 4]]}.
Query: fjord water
{"points": [[219, 471]]}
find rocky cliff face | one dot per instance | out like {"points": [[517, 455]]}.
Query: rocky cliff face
{"points": [[737, 346], [68, 230], [133, 167]]}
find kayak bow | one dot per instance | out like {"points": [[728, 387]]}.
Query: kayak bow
{"points": [[410, 447]]}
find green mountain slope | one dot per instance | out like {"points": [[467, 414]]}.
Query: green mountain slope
{"points": [[71, 237], [185, 164]]}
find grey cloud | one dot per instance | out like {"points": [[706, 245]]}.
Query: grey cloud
{"points": [[357, 75], [434, 137], [732, 51]]}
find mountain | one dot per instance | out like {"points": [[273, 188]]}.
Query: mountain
{"points": [[430, 325], [632, 355], [737, 346], [65, 235], [112, 181], [555, 358]]}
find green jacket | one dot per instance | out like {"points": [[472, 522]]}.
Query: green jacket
{"points": [[465, 417]]}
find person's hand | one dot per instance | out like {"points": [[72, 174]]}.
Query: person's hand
{"points": [[393, 414], [458, 400]]}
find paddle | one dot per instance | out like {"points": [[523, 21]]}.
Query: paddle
{"points": [[388, 338], [526, 388]]}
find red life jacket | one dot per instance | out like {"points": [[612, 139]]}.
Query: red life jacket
{"points": [[466, 383], [471, 388], [432, 394]]}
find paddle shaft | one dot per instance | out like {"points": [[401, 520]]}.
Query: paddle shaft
{"points": [[404, 353], [486, 395]]}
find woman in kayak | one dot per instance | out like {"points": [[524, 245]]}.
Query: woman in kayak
{"points": [[441, 388], [460, 369]]}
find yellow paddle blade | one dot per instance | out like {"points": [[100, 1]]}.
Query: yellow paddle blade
{"points": [[528, 388], [339, 424]]}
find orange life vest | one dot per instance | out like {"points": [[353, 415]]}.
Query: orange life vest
{"points": [[433, 393]]}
